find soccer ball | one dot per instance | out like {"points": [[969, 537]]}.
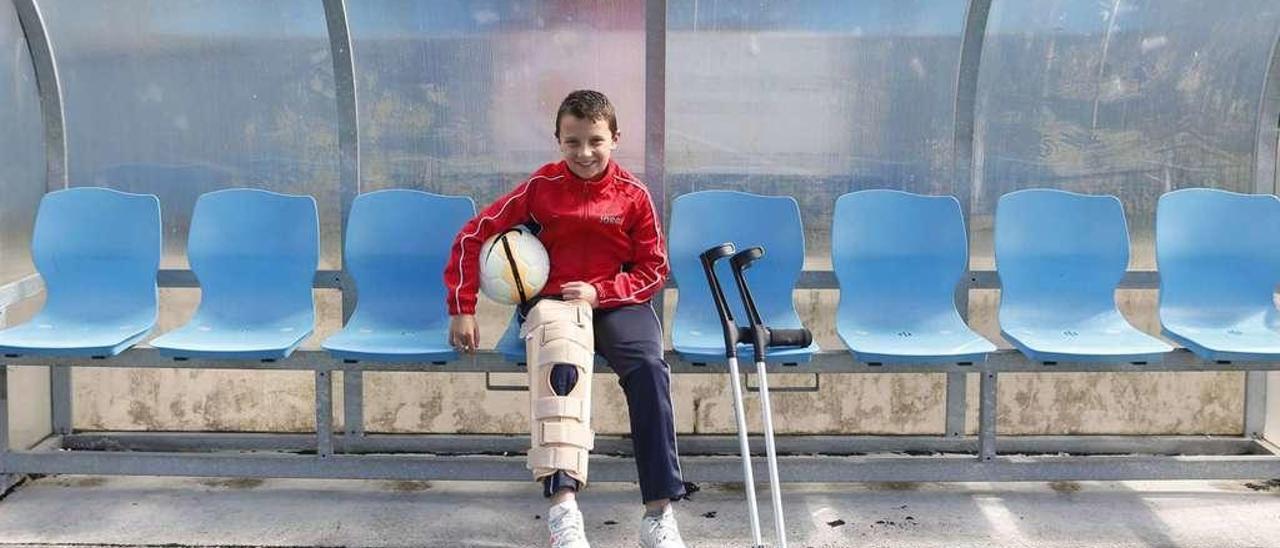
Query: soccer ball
{"points": [[513, 266]]}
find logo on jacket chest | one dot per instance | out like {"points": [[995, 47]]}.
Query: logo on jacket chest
{"points": [[611, 219]]}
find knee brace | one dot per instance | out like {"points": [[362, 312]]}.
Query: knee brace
{"points": [[559, 333]]}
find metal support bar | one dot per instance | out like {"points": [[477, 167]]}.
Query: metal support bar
{"points": [[987, 417], [324, 279], [820, 469], [1267, 125], [60, 398], [1255, 404], [655, 102], [966, 98], [977, 279], [1003, 361], [1266, 178], [1264, 447], [809, 279], [4, 411], [655, 117], [50, 89], [324, 413], [957, 384], [6, 480], [346, 97], [353, 402], [690, 444]]}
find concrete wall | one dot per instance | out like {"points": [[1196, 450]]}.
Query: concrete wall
{"points": [[1075, 403], [29, 410], [1272, 430]]}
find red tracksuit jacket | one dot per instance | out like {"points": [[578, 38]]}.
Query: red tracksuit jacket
{"points": [[602, 232]]}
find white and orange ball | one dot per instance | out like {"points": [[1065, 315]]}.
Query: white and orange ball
{"points": [[514, 254]]}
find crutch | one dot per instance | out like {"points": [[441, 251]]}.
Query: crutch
{"points": [[733, 334], [762, 337]]}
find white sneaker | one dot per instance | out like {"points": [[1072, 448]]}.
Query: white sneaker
{"points": [[564, 520], [660, 532]]}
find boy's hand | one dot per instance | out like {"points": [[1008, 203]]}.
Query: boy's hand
{"points": [[580, 291], [464, 333]]}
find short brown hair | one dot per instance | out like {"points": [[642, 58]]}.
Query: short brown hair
{"points": [[589, 105]]}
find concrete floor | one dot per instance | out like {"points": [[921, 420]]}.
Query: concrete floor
{"points": [[177, 512]]}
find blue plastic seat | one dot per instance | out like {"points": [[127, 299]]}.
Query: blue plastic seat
{"points": [[700, 220], [1060, 256], [511, 346], [98, 251], [898, 257], [255, 254], [1219, 257], [397, 244]]}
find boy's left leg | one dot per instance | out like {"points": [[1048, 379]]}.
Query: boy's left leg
{"points": [[630, 338]]}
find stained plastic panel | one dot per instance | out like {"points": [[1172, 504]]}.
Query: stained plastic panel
{"points": [[812, 99], [1126, 97], [182, 97], [459, 97]]}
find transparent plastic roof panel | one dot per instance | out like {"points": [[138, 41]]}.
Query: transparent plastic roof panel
{"points": [[182, 97], [1124, 97], [459, 97], [812, 100]]}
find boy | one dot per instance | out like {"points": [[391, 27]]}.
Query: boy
{"points": [[601, 232]]}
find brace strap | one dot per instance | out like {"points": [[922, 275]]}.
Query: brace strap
{"points": [[558, 458], [558, 406], [569, 434]]}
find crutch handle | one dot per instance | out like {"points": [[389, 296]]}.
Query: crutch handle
{"points": [[780, 337], [743, 260], [790, 337], [713, 254], [731, 331]]}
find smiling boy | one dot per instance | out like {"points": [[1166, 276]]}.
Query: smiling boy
{"points": [[600, 229]]}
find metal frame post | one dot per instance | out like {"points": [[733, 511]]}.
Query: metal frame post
{"points": [[1267, 126], [324, 414], [973, 35], [987, 418], [957, 387], [1255, 404], [1265, 151], [4, 412], [345, 93], [49, 87], [655, 117], [655, 102], [60, 392], [6, 480]]}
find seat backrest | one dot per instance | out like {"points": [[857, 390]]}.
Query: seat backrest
{"points": [[700, 220], [397, 244], [98, 251], [1059, 254], [255, 254], [897, 256], [1218, 252]]}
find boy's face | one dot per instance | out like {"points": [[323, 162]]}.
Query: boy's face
{"points": [[586, 145]]}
